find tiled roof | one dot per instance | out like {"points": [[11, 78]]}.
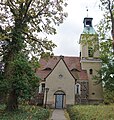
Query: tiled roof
{"points": [[47, 65]]}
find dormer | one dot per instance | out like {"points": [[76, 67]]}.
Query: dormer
{"points": [[47, 68]]}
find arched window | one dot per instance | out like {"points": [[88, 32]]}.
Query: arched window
{"points": [[77, 89], [42, 88], [90, 51], [91, 71], [80, 54]]}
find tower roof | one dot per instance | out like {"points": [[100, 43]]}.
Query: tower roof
{"points": [[88, 28]]}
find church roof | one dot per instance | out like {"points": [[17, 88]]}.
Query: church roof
{"points": [[73, 63]]}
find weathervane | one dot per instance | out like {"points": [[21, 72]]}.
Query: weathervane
{"points": [[87, 10]]}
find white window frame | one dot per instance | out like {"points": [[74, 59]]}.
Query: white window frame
{"points": [[77, 89], [41, 89]]}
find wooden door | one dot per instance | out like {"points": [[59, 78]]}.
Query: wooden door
{"points": [[59, 101]]}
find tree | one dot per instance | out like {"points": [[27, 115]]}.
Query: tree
{"points": [[109, 12], [106, 74], [21, 23], [107, 70], [23, 82]]}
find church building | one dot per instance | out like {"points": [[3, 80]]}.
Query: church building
{"points": [[69, 80]]}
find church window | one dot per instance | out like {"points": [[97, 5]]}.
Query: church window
{"points": [[43, 87], [90, 52], [78, 89], [93, 93], [80, 54], [91, 71]]}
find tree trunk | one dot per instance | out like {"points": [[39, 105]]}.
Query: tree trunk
{"points": [[110, 7], [12, 98], [12, 103], [14, 47], [113, 40]]}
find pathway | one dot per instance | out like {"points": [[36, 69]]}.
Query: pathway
{"points": [[58, 114]]}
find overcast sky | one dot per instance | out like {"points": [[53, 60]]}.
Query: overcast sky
{"points": [[68, 33]]}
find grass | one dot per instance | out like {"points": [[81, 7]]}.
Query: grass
{"points": [[25, 112], [91, 112]]}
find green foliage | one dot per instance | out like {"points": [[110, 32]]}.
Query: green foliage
{"points": [[21, 24], [74, 114], [3, 84], [108, 76], [108, 7], [108, 97], [106, 73], [23, 80], [25, 112], [106, 51], [90, 112], [26, 20], [105, 27], [90, 40]]}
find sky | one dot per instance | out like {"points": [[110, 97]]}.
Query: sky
{"points": [[68, 33]]}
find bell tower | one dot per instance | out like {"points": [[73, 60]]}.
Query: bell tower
{"points": [[90, 61], [89, 41]]}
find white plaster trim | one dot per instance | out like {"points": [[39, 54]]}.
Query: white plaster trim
{"points": [[92, 61]]}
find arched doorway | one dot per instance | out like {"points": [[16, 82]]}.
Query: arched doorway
{"points": [[59, 99]]}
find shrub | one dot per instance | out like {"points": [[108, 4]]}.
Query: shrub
{"points": [[73, 113], [25, 112], [91, 112], [108, 97]]}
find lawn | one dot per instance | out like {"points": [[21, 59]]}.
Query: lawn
{"points": [[25, 112], [91, 112]]}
